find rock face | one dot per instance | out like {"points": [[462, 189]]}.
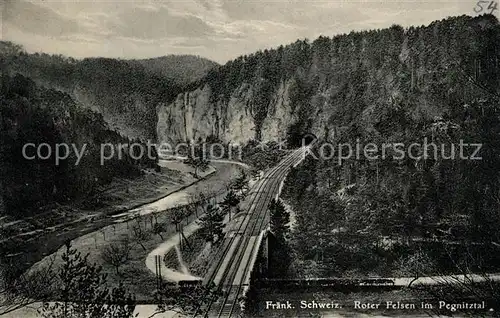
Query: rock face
{"points": [[176, 121], [363, 80], [197, 113]]}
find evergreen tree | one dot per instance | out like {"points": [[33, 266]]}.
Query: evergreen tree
{"points": [[240, 184], [230, 201], [280, 255], [212, 224], [197, 158], [279, 219], [84, 292]]}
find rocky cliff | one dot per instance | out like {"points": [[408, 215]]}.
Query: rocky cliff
{"points": [[196, 113]]}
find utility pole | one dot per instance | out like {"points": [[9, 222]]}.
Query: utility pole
{"points": [[180, 236]]}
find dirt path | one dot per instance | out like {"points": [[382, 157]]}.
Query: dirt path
{"points": [[182, 264], [164, 248]]}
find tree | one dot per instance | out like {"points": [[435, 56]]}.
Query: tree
{"points": [[84, 292], [197, 158], [230, 201], [417, 265], [280, 258], [117, 254], [140, 235], [176, 216], [19, 288], [159, 228], [255, 173], [185, 300], [212, 224], [279, 219], [199, 200], [240, 184]]}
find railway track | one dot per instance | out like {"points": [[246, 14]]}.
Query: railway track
{"points": [[236, 257], [240, 276]]}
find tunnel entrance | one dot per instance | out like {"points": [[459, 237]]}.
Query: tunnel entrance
{"points": [[308, 138], [297, 136]]}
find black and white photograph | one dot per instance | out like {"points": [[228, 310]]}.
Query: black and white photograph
{"points": [[249, 158]]}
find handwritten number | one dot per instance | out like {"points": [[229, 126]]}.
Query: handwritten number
{"points": [[493, 5], [479, 6]]}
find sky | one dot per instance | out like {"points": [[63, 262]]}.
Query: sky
{"points": [[220, 30]]}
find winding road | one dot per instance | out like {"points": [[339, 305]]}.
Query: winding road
{"points": [[168, 273]]}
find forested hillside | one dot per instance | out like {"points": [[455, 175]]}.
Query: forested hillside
{"points": [[393, 84], [180, 69], [125, 92], [55, 99], [34, 114], [372, 216], [387, 216]]}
